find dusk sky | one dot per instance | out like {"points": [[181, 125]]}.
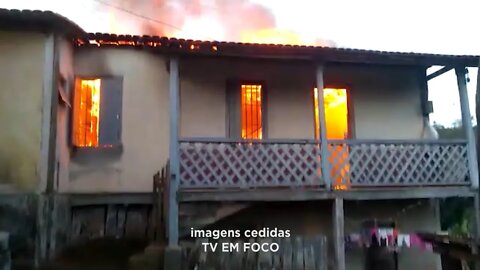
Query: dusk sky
{"points": [[430, 26]]}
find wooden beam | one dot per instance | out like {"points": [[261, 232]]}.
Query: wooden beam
{"points": [[477, 111], [325, 165], [339, 233], [467, 125], [104, 199], [438, 72], [174, 151], [322, 194]]}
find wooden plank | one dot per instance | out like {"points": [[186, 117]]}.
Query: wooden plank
{"points": [[365, 193], [121, 221], [224, 257], [277, 256], [202, 254], [174, 87], [467, 125], [320, 250], [251, 258], [135, 225], [297, 253], [121, 198], [287, 254], [339, 234], [215, 140], [439, 72], [5, 254], [111, 221], [237, 257], [309, 253], [265, 259]]}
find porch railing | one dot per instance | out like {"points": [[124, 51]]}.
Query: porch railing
{"points": [[398, 163], [220, 163], [224, 164]]}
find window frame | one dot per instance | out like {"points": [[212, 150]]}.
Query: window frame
{"points": [[118, 147], [234, 110], [350, 109]]}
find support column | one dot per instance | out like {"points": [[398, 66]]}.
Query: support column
{"points": [[467, 125], [323, 130], [339, 233], [173, 151]]}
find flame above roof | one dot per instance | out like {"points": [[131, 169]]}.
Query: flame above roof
{"points": [[49, 21]]}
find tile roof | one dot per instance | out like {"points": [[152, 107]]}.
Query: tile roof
{"points": [[278, 51], [37, 20], [49, 21]]}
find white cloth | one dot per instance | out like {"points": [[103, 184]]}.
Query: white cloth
{"points": [[383, 234], [403, 240]]}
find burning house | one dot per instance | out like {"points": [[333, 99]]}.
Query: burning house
{"points": [[312, 139]]}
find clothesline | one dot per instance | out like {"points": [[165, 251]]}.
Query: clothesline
{"points": [[386, 237]]}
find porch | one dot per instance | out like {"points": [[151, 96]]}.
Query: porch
{"points": [[223, 164]]}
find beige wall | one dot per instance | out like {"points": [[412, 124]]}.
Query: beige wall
{"points": [[66, 70], [385, 104], [385, 101], [21, 97], [144, 123], [287, 84]]}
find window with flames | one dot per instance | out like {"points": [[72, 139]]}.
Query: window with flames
{"points": [[251, 111], [97, 111]]}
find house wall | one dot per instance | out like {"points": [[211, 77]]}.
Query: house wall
{"points": [[385, 104], [145, 121], [385, 101], [63, 151], [21, 99], [315, 218]]}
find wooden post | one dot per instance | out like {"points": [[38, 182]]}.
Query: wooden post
{"points": [[467, 125], [323, 130], [477, 110], [339, 234], [174, 159]]}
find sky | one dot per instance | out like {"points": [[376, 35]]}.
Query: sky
{"points": [[429, 26]]}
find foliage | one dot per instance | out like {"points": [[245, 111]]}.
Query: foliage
{"points": [[456, 213]]}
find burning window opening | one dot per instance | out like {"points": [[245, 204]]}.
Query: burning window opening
{"points": [[86, 112], [336, 120], [251, 111]]}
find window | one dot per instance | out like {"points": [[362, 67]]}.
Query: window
{"points": [[97, 112], [251, 111], [336, 121], [336, 113]]}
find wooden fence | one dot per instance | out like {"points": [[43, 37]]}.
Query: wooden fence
{"points": [[296, 253]]}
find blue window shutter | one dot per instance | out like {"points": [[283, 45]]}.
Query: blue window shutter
{"points": [[110, 111]]}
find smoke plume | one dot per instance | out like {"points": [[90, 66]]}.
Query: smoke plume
{"points": [[228, 20]]}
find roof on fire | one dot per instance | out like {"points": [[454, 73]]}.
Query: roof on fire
{"points": [[47, 20]]}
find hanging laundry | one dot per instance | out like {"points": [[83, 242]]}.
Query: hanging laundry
{"points": [[373, 237], [416, 241], [385, 236], [403, 240]]}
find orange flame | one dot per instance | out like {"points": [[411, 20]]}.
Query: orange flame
{"points": [[86, 113]]}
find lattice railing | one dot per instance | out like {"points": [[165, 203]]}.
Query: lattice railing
{"points": [[356, 163], [229, 164], [226, 164]]}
